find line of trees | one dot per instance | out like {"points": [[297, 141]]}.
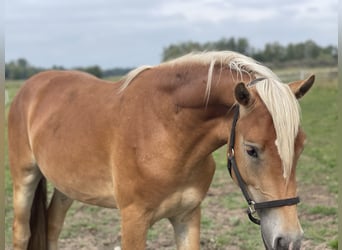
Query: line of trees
{"points": [[273, 54], [22, 69]]}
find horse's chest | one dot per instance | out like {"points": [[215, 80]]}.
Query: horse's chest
{"points": [[188, 196], [179, 203]]}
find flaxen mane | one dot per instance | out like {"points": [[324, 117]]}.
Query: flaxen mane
{"points": [[278, 98], [284, 109]]}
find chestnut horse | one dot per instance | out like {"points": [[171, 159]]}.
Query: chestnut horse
{"points": [[144, 145]]}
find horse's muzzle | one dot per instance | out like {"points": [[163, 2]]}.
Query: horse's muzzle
{"points": [[284, 243]]}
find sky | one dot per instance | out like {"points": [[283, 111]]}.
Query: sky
{"points": [[131, 33]]}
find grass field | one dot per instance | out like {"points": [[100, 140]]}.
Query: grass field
{"points": [[224, 224]]}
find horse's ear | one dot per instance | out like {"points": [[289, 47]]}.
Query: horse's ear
{"points": [[299, 88], [242, 94]]}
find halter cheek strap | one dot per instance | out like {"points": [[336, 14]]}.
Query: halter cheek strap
{"points": [[231, 164]]}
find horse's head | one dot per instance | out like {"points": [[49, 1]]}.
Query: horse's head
{"points": [[268, 142]]}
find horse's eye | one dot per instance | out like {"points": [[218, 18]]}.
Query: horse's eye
{"points": [[252, 152]]}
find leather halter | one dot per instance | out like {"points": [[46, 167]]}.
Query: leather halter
{"points": [[231, 164]]}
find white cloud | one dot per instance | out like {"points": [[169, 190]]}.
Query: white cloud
{"points": [[213, 11], [309, 10]]}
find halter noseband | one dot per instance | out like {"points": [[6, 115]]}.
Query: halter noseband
{"points": [[252, 205]]}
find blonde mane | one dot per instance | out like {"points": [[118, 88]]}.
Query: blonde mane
{"points": [[133, 74], [278, 98], [284, 109], [235, 61]]}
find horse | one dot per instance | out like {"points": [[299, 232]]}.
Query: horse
{"points": [[144, 145]]}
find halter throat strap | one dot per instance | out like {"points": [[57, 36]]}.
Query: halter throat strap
{"points": [[231, 164]]}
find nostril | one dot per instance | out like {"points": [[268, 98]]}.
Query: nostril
{"points": [[281, 243]]}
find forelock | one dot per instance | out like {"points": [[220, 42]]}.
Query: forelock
{"points": [[285, 112]]}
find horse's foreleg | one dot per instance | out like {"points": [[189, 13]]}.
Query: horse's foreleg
{"points": [[134, 226], [56, 214], [187, 230]]}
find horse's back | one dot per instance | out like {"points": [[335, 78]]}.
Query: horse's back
{"points": [[48, 85], [59, 120], [50, 97]]}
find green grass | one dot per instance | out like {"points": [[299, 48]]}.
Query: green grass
{"points": [[320, 124], [316, 176], [333, 244], [323, 210]]}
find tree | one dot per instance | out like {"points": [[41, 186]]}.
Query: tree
{"points": [[177, 50], [94, 70], [274, 52], [311, 50], [242, 46]]}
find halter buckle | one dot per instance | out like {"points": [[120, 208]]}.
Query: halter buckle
{"points": [[251, 211], [231, 153], [251, 208]]}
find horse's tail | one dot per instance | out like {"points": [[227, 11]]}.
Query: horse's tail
{"points": [[38, 219]]}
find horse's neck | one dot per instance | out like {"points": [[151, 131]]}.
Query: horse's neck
{"points": [[170, 108], [205, 117], [191, 87]]}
